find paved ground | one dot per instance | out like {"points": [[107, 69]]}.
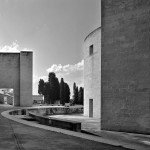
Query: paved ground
{"points": [[16, 136], [89, 124], [92, 125]]}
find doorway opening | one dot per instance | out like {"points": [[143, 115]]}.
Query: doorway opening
{"points": [[7, 96], [90, 107]]}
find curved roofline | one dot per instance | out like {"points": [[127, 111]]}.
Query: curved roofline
{"points": [[92, 33]]}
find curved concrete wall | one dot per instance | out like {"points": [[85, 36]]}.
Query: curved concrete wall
{"points": [[92, 73]]}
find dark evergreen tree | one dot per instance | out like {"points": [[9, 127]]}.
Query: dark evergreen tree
{"points": [[46, 92], [62, 91], [57, 91], [54, 88], [73, 97], [75, 94], [41, 87], [81, 96], [53, 91], [67, 93]]}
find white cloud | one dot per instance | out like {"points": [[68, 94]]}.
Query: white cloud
{"points": [[66, 69], [13, 48]]}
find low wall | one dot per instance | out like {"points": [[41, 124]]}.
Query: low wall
{"points": [[59, 123], [41, 115], [57, 110]]}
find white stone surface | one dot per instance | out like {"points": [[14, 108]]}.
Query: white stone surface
{"points": [[92, 73]]}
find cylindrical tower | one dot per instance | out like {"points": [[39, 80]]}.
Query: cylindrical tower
{"points": [[92, 74]]}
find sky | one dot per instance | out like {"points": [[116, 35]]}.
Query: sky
{"points": [[54, 30]]}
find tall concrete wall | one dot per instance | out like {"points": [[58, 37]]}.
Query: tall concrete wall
{"points": [[92, 73], [26, 79], [10, 73], [126, 65], [16, 73]]}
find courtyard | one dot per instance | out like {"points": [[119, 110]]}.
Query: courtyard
{"points": [[16, 135]]}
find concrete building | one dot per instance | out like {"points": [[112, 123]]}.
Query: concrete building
{"points": [[126, 65], [16, 73], [38, 99], [120, 92], [92, 74]]}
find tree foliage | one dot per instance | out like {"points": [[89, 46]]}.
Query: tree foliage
{"points": [[67, 93], [53, 88], [81, 96], [46, 92], [41, 87], [78, 95], [75, 93], [62, 91]]}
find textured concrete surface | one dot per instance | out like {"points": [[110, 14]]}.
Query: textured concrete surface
{"points": [[16, 73], [10, 73], [26, 78], [88, 124], [121, 139], [126, 65], [92, 73], [16, 136], [92, 125]]}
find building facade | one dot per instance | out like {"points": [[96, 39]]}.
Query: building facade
{"points": [[92, 74], [117, 74], [126, 65]]}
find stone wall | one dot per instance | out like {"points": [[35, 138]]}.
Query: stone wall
{"points": [[92, 73], [126, 65]]}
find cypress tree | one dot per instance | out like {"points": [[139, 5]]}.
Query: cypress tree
{"points": [[57, 89], [81, 96], [41, 87], [62, 91], [46, 92], [54, 88], [67, 93], [75, 94]]}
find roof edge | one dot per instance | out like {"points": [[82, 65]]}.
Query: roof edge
{"points": [[91, 33]]}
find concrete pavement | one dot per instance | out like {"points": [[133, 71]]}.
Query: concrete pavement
{"points": [[92, 125], [17, 136]]}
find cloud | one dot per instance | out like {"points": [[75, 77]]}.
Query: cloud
{"points": [[66, 69], [13, 48]]}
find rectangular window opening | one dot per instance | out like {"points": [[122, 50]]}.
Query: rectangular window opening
{"points": [[91, 50], [90, 107]]}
